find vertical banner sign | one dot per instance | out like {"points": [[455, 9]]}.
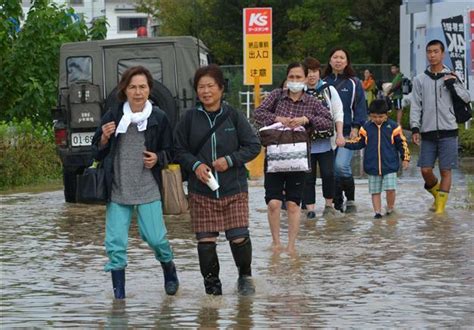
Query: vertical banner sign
{"points": [[258, 45], [453, 28], [471, 30]]}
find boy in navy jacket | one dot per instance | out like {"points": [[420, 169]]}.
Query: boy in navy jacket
{"points": [[383, 140]]}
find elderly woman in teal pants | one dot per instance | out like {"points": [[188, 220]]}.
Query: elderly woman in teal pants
{"points": [[133, 143]]}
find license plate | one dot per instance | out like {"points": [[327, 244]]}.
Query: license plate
{"points": [[81, 139]]}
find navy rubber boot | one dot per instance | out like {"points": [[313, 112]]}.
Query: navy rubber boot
{"points": [[242, 253], [209, 265], [118, 282], [171, 278]]}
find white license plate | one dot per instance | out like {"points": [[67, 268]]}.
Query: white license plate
{"points": [[81, 139]]}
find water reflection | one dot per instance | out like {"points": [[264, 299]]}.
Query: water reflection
{"points": [[412, 269], [118, 316]]}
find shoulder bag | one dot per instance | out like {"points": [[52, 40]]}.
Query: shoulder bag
{"points": [[286, 149], [91, 186]]}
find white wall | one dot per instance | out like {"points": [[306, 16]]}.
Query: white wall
{"points": [[411, 57], [112, 9]]}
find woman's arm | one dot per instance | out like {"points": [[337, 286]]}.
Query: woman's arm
{"points": [[249, 144], [99, 150], [265, 113]]}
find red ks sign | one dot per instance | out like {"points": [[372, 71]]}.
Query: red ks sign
{"points": [[258, 20]]}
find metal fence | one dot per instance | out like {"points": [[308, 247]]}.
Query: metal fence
{"points": [[241, 97]]}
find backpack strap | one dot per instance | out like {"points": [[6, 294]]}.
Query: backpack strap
{"points": [[435, 76]]}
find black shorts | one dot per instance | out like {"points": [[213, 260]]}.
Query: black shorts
{"points": [[397, 104], [286, 186]]}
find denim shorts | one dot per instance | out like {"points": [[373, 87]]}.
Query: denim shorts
{"points": [[377, 183], [445, 149]]}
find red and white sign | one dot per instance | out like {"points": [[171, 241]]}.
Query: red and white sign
{"points": [[258, 20]]}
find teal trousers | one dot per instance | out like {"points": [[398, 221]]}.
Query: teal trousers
{"points": [[150, 224]]}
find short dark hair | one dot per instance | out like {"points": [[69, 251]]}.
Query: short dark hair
{"points": [[127, 77], [348, 70], [297, 65], [395, 65], [312, 63], [379, 107], [211, 70], [435, 42]]}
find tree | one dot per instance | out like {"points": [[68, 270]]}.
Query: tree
{"points": [[300, 27], [379, 30], [30, 55]]}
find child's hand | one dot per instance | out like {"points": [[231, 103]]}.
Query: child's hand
{"points": [[405, 164]]}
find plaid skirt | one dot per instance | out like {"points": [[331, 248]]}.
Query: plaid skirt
{"points": [[217, 215]]}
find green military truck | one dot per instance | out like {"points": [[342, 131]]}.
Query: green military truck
{"points": [[88, 76]]}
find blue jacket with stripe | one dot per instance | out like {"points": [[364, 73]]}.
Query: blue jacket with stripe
{"points": [[382, 145], [352, 96]]}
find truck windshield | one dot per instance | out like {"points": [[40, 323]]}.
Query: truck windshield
{"points": [[154, 65], [79, 68]]}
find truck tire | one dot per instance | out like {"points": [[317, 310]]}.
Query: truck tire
{"points": [[159, 95], [69, 182]]}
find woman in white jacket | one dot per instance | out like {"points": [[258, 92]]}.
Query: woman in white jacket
{"points": [[323, 145]]}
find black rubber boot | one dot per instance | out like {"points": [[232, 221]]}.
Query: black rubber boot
{"points": [[171, 278], [209, 264], [349, 191], [349, 188], [338, 198], [118, 282], [242, 253]]}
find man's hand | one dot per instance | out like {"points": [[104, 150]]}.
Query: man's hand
{"points": [[415, 137], [202, 173], [220, 164], [405, 164]]}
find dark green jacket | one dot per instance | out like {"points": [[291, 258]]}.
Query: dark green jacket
{"points": [[234, 140]]}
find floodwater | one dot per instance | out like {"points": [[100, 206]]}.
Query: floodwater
{"points": [[412, 269]]}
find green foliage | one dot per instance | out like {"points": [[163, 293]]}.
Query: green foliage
{"points": [[367, 28], [466, 140], [27, 154], [98, 31], [405, 117], [30, 58]]}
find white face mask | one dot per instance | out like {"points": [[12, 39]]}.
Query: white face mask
{"points": [[295, 86]]}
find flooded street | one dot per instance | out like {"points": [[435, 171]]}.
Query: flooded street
{"points": [[412, 269]]}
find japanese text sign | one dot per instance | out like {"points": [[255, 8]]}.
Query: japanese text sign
{"points": [[257, 45]]}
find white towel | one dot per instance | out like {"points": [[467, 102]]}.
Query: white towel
{"points": [[139, 118]]}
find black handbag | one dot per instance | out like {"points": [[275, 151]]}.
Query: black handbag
{"points": [[91, 185]]}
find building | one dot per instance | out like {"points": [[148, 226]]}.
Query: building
{"points": [[452, 22], [121, 15]]}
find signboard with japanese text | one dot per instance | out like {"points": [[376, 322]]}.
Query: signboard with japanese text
{"points": [[257, 45], [471, 31], [453, 28]]}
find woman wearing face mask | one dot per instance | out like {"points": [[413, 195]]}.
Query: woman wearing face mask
{"points": [[292, 108], [342, 76]]}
